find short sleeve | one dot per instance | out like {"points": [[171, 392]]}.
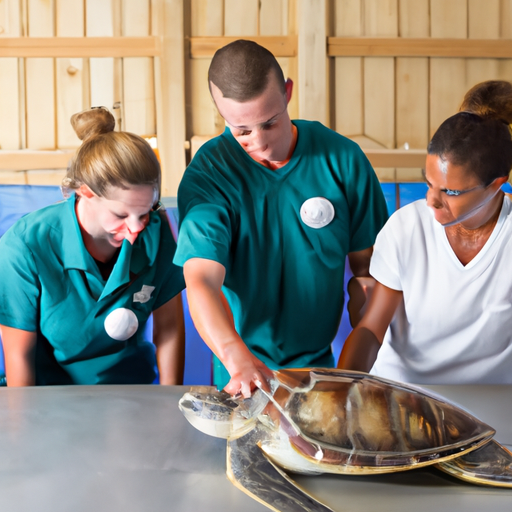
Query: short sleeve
{"points": [[366, 202], [169, 274], [205, 215], [20, 288]]}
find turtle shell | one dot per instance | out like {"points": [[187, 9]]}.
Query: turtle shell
{"points": [[339, 421]]}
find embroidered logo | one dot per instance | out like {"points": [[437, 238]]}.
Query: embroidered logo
{"points": [[144, 295]]}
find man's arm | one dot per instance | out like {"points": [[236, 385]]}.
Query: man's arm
{"points": [[169, 339], [362, 345], [360, 287], [204, 279], [20, 356], [359, 262]]}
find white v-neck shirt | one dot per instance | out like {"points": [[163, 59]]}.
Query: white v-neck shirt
{"points": [[455, 323]]}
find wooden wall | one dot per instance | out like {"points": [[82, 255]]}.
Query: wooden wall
{"points": [[383, 72]]}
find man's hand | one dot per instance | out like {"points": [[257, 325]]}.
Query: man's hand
{"points": [[212, 318]]}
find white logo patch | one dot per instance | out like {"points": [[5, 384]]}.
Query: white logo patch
{"points": [[317, 212], [144, 295]]}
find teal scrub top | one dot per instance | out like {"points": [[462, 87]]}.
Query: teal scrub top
{"points": [[51, 285], [284, 279]]}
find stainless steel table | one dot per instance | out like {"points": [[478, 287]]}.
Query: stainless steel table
{"points": [[128, 449]]}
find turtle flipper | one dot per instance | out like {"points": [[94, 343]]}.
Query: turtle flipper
{"points": [[489, 465], [249, 469]]}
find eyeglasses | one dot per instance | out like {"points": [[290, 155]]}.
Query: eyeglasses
{"points": [[453, 192]]}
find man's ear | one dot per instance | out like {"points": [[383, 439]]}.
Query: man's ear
{"points": [[85, 191], [289, 88]]}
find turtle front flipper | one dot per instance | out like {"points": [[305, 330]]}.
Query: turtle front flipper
{"points": [[249, 469], [489, 465]]}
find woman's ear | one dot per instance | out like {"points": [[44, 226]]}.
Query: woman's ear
{"points": [[85, 191]]}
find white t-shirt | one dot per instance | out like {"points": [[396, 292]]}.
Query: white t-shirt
{"points": [[455, 323]]}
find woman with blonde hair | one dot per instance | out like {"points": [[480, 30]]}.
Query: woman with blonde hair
{"points": [[81, 278]]}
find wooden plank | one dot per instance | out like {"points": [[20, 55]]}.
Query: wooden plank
{"points": [[28, 159], [13, 178], [348, 18], [448, 19], [312, 83], [412, 86], [414, 18], [280, 46], [379, 100], [349, 95], [10, 128], [484, 19], [207, 17], [271, 17], [53, 177], [447, 76], [447, 88], [289, 67], [381, 19], [100, 23], [418, 47], [69, 76], [348, 71], [484, 22], [241, 18], [167, 23], [40, 86], [506, 19], [80, 46], [138, 82], [204, 117], [412, 102]]}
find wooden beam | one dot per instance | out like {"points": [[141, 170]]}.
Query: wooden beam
{"points": [[396, 157], [418, 47], [148, 46], [25, 160], [280, 46]]}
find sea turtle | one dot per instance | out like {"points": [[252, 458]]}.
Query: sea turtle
{"points": [[321, 420]]}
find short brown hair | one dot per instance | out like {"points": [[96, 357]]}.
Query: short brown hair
{"points": [[109, 159], [242, 69]]}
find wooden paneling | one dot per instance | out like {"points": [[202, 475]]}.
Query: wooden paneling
{"points": [[100, 22], [69, 72], [412, 86], [241, 18], [447, 76], [312, 83], [138, 85], [40, 84], [10, 26], [207, 17], [380, 19]]}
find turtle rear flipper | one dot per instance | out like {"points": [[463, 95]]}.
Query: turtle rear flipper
{"points": [[489, 465], [249, 469]]}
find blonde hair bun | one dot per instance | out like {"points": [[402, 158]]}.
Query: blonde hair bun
{"points": [[92, 122]]}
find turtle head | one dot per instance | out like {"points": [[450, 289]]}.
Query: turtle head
{"points": [[218, 414]]}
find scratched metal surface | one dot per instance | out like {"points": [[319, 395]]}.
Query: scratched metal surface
{"points": [[129, 449]]}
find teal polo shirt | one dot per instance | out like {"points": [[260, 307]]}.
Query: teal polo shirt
{"points": [[284, 278], [51, 285]]}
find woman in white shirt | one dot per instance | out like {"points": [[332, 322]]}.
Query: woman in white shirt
{"points": [[441, 308]]}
